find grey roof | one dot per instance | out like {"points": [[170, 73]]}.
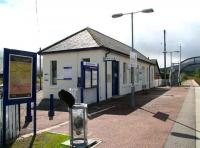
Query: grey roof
{"points": [[88, 38], [155, 62]]}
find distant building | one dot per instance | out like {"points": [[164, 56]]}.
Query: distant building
{"points": [[1, 65], [62, 68], [157, 73]]}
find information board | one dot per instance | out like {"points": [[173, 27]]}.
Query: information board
{"points": [[133, 59], [20, 77], [19, 74], [94, 78], [88, 78]]}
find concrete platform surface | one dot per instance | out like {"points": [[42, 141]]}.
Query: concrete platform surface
{"points": [[149, 124]]}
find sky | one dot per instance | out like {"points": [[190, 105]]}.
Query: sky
{"points": [[21, 28]]}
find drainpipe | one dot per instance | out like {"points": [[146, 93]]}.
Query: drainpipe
{"points": [[106, 87], [149, 76]]}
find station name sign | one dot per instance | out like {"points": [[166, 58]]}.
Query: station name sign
{"points": [[109, 58], [89, 64]]}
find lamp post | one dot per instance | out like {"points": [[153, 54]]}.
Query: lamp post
{"points": [[171, 53], [150, 10], [179, 70]]}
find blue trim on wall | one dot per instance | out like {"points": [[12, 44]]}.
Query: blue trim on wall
{"points": [[67, 78], [67, 67]]}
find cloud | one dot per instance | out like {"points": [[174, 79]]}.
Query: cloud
{"points": [[58, 19]]}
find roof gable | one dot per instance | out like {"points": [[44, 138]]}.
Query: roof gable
{"points": [[79, 40], [89, 38]]}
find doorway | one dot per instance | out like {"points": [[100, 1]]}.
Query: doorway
{"points": [[115, 78]]}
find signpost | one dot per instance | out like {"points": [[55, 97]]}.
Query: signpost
{"points": [[133, 59], [133, 63], [19, 81]]}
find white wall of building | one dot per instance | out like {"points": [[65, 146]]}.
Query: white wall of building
{"points": [[73, 59]]}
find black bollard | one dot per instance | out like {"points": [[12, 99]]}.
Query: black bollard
{"points": [[51, 106]]}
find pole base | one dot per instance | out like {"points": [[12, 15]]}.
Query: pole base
{"points": [[132, 97]]}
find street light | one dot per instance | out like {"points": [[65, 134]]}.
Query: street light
{"points": [[150, 10], [179, 70]]}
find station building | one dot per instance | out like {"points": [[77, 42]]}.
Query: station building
{"points": [[97, 65]]}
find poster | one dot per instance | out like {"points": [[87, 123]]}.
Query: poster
{"points": [[20, 77], [87, 78], [94, 78]]}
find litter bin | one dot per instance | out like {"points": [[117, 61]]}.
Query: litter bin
{"points": [[78, 125]]}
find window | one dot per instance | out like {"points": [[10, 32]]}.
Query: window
{"points": [[143, 75], [86, 60], [94, 78], [125, 73], [138, 73], [53, 72], [132, 75]]}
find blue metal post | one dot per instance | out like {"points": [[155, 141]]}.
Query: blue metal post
{"points": [[82, 81], [28, 117], [51, 106], [4, 122], [34, 118], [98, 84]]}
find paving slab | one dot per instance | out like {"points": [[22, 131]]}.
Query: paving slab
{"points": [[183, 133], [148, 125], [197, 98]]}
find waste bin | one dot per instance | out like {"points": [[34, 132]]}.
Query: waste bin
{"points": [[78, 124]]}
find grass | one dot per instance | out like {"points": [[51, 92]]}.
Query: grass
{"points": [[43, 140]]}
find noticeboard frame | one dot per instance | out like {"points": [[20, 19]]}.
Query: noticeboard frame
{"points": [[28, 100], [88, 66], [6, 75]]}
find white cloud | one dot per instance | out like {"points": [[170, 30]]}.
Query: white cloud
{"points": [[58, 19]]}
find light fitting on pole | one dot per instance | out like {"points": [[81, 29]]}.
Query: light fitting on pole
{"points": [[150, 10], [117, 15]]}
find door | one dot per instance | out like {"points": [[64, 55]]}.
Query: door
{"points": [[115, 78]]}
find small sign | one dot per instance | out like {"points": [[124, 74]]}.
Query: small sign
{"points": [[109, 59], [133, 59], [90, 64], [67, 73]]}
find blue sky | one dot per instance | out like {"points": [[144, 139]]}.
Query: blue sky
{"points": [[58, 19], [3, 1]]}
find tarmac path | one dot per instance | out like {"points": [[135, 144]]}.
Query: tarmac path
{"points": [[184, 133]]}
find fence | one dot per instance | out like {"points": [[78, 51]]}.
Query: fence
{"points": [[12, 121], [158, 82]]}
